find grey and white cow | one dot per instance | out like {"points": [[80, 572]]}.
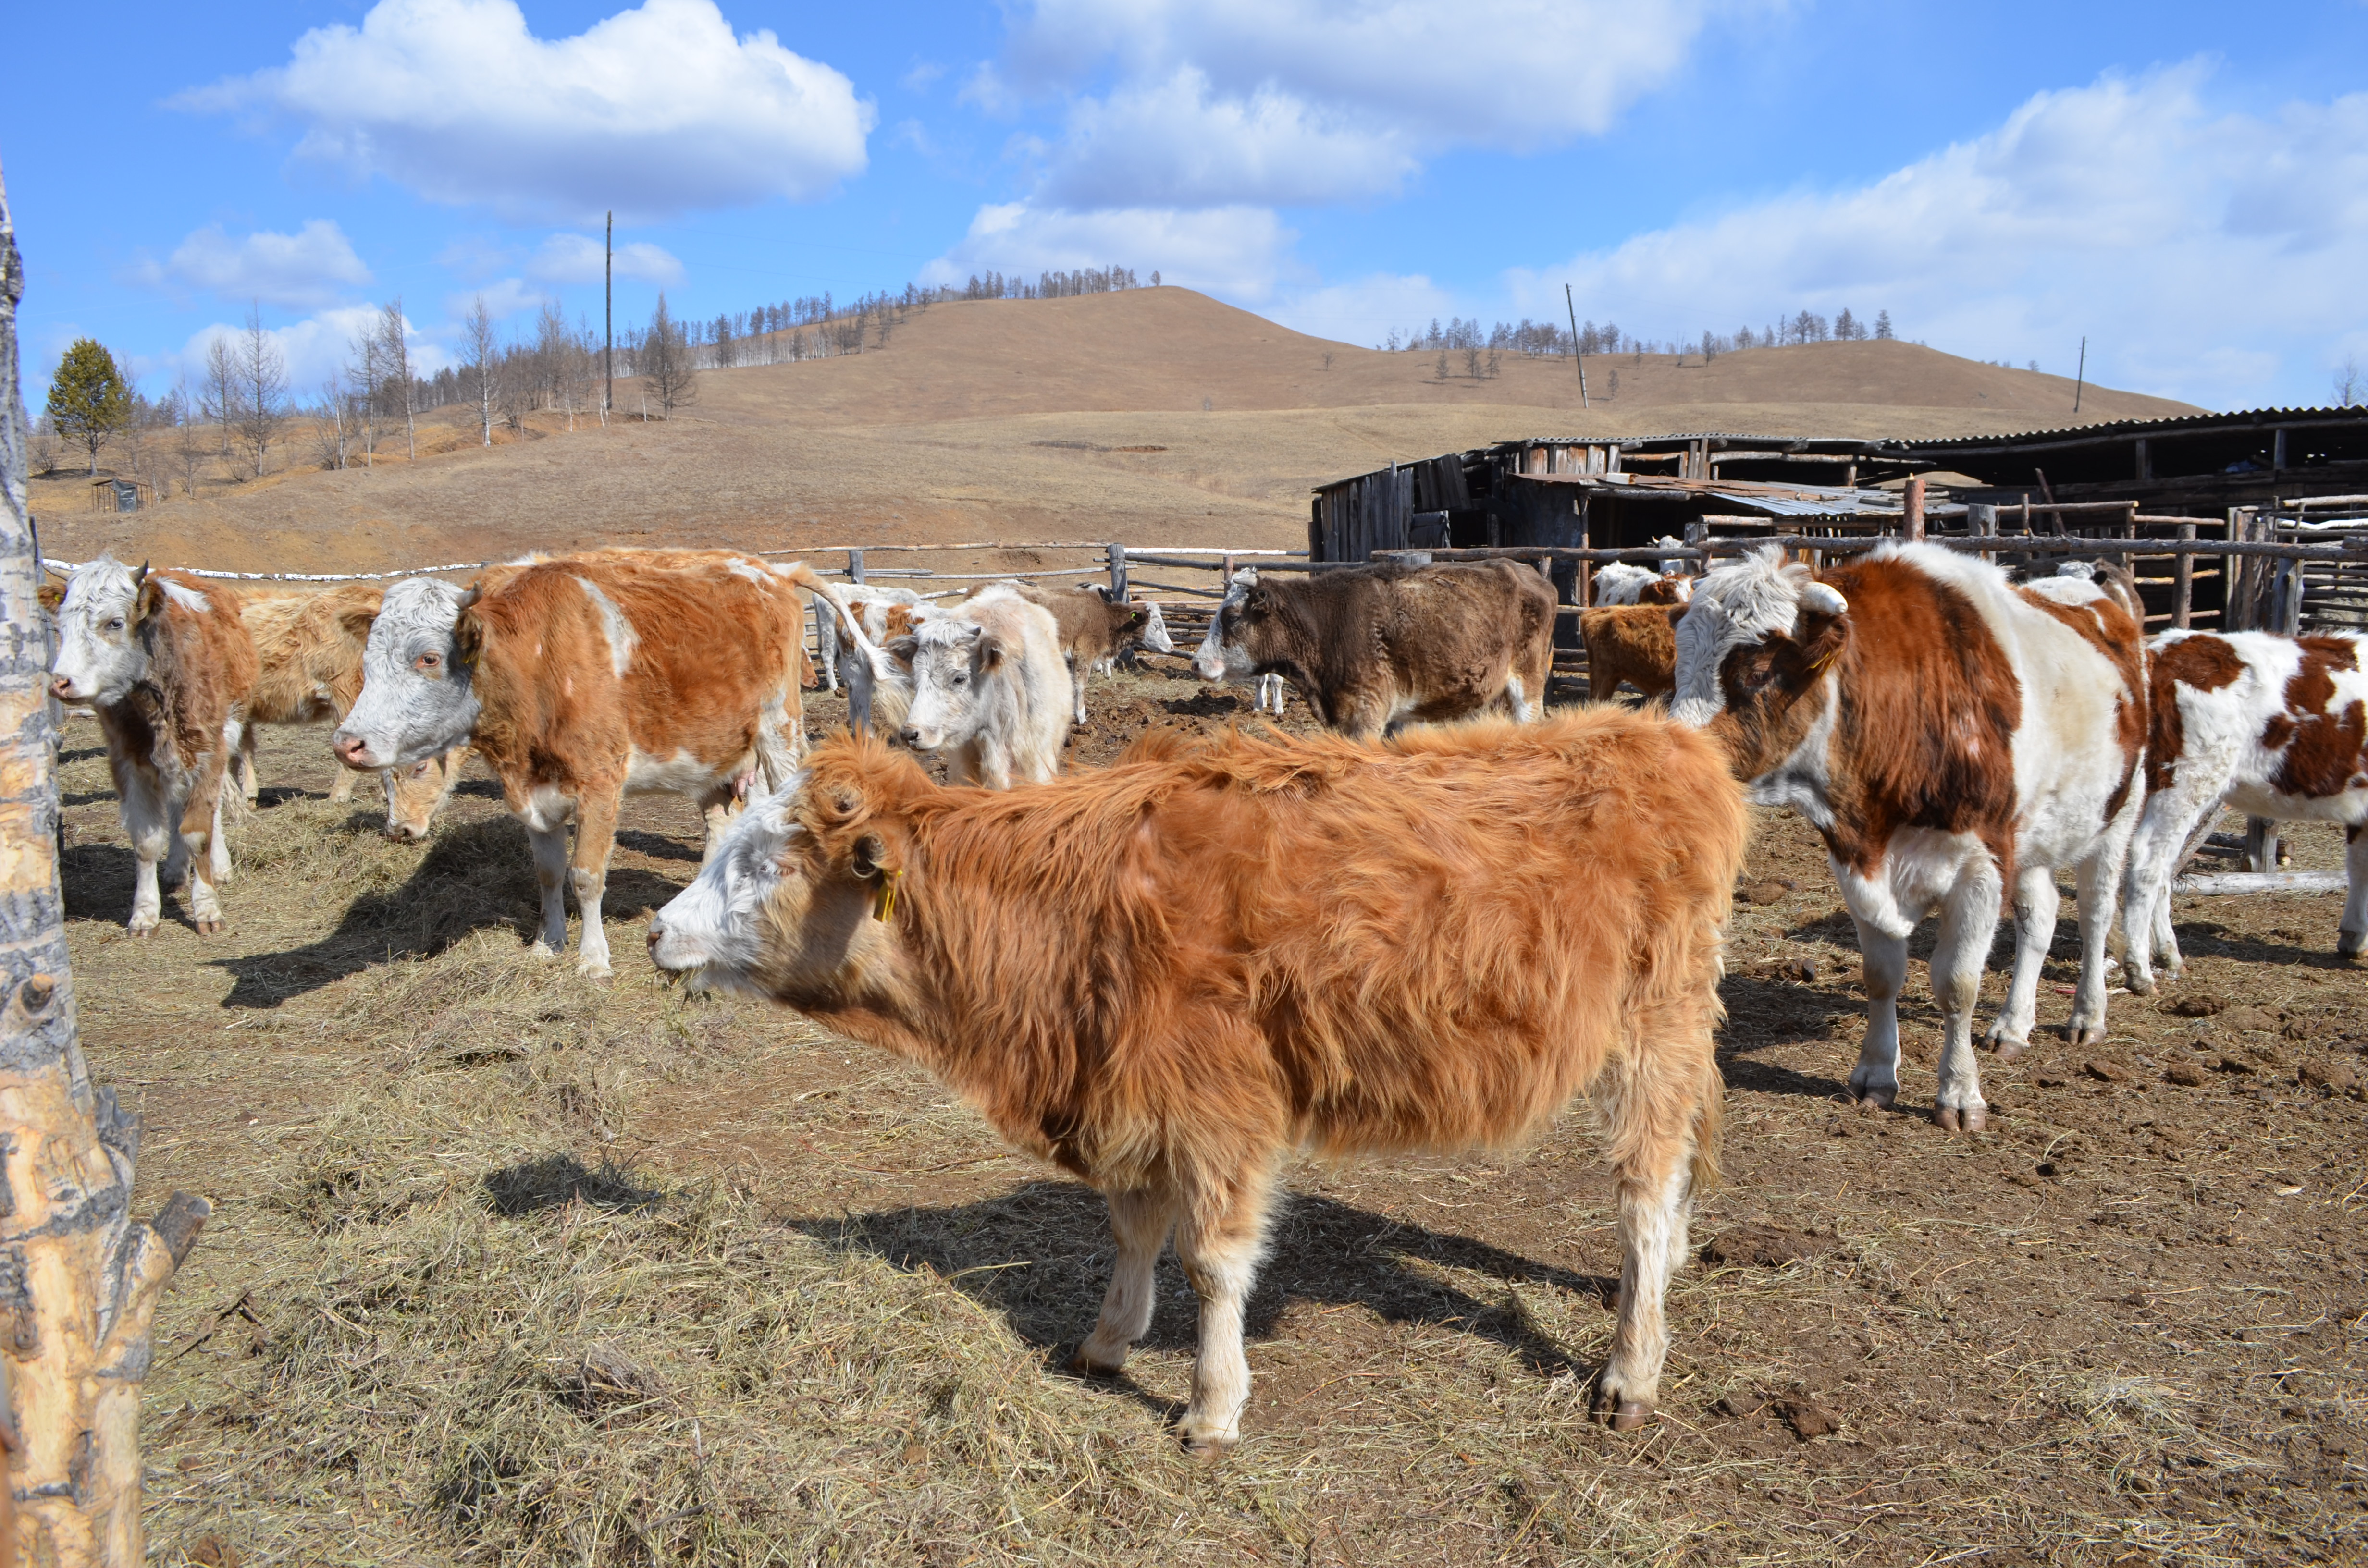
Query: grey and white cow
{"points": [[989, 684]]}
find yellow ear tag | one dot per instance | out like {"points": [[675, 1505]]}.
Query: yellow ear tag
{"points": [[884, 903]]}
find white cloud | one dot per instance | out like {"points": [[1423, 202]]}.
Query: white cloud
{"points": [[1365, 311], [577, 258], [2206, 255], [504, 297], [1232, 251], [315, 349], [311, 267], [654, 111], [1305, 101]]}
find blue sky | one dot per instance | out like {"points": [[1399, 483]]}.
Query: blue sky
{"points": [[2185, 185]]}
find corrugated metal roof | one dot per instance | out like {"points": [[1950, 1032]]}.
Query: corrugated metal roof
{"points": [[1781, 500], [2237, 419]]}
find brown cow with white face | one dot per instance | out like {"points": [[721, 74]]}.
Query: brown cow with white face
{"points": [[1376, 647], [1949, 734], [1166, 975]]}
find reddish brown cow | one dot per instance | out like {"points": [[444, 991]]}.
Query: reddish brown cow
{"points": [[1637, 643], [1166, 975]]}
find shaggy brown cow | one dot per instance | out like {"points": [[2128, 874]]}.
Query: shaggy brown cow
{"points": [[164, 660], [1637, 643], [582, 678], [1167, 975], [1375, 647], [308, 648]]}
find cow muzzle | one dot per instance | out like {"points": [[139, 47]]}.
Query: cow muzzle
{"points": [[355, 752]]}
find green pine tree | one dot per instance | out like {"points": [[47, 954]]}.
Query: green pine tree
{"points": [[88, 402]]}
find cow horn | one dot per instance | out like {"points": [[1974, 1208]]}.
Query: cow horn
{"points": [[1820, 598]]}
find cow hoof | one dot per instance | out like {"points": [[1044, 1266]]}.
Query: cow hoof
{"points": [[2139, 984], [1973, 1118], [2008, 1050], [1625, 1414], [2351, 944], [148, 930], [594, 970], [1086, 1366], [2087, 1034], [210, 927], [1210, 1450], [1872, 1101]]}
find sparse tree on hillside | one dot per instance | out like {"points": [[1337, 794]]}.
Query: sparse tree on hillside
{"points": [[262, 388], [395, 360], [89, 402], [1709, 347], [1846, 326], [189, 445], [482, 375], [1882, 326], [2348, 381], [44, 449], [666, 362], [222, 400], [367, 372]]}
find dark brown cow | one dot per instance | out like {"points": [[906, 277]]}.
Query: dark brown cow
{"points": [[1375, 647], [1166, 975]]}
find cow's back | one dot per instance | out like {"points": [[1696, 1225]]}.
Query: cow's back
{"points": [[308, 658]]}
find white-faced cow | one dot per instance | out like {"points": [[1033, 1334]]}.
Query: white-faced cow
{"points": [[1168, 975], [1376, 647], [582, 678], [989, 686], [308, 650], [1949, 734], [2272, 726], [1093, 630], [165, 663]]}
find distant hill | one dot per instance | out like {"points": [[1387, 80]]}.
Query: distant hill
{"points": [[1152, 415]]}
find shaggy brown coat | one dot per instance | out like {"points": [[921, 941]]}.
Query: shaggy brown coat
{"points": [[1637, 643], [1166, 975]]}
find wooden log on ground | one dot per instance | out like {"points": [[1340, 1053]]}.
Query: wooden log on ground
{"points": [[79, 1277], [2224, 882]]}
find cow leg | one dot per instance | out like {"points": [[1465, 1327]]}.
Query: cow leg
{"points": [[550, 877], [1883, 968], [242, 761], [717, 805], [2351, 936], [1219, 1237], [209, 853], [1140, 1222], [1076, 686], [2168, 831], [341, 788], [2096, 881], [150, 830], [825, 643], [596, 835], [2035, 903], [1655, 1117], [1518, 696], [1969, 918]]}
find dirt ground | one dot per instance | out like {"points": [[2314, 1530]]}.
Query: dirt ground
{"points": [[508, 1266]]}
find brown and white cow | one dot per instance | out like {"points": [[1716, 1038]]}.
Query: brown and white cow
{"points": [[582, 678], [165, 662], [1093, 630], [1949, 734], [1168, 975], [2272, 726], [1636, 643], [308, 650], [1375, 647]]}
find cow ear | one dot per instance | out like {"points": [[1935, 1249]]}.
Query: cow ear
{"points": [[51, 597], [358, 623], [468, 635], [870, 856], [990, 652], [151, 596], [903, 649], [1104, 590]]}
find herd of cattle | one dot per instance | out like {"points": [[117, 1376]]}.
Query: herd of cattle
{"points": [[1167, 973]]}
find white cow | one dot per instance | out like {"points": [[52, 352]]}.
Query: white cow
{"points": [[990, 686]]}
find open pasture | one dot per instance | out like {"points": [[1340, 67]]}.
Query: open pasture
{"points": [[513, 1267]]}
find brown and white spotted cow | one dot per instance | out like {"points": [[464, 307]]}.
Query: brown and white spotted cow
{"points": [[582, 678], [165, 662], [2247, 720], [1950, 736], [1376, 647], [308, 650]]}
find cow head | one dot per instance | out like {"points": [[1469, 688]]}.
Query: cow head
{"points": [[418, 670], [948, 660], [100, 653], [1225, 652], [414, 794], [1142, 625], [1154, 633], [1752, 650], [799, 903]]}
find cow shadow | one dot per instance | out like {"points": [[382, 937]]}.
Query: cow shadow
{"points": [[657, 847], [1041, 1256], [2199, 938], [474, 876], [95, 880]]}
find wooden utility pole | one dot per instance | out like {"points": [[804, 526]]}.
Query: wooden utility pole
{"points": [[2080, 377], [1575, 352], [1911, 520], [79, 1277], [609, 310]]}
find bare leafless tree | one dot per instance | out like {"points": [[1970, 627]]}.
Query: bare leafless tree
{"points": [[2349, 385], [220, 404], [366, 370], [189, 445], [482, 375], [666, 362], [336, 423], [395, 360], [262, 392]]}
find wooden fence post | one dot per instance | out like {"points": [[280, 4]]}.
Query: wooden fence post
{"points": [[2182, 583], [1912, 526], [855, 566], [1982, 521], [79, 1277], [1118, 571]]}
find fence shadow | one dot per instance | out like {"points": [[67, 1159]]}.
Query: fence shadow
{"points": [[1041, 1256]]}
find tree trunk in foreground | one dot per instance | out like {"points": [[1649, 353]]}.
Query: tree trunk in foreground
{"points": [[79, 1277]]}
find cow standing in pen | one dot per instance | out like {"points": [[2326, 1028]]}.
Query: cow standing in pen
{"points": [[1376, 647], [308, 650], [165, 662], [2272, 726], [1636, 643], [989, 689], [582, 678], [1949, 735], [1093, 628], [1167, 975]]}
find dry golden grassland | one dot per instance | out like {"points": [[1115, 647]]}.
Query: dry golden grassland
{"points": [[511, 1267]]}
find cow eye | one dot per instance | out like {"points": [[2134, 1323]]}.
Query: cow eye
{"points": [[427, 661], [115, 624]]}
